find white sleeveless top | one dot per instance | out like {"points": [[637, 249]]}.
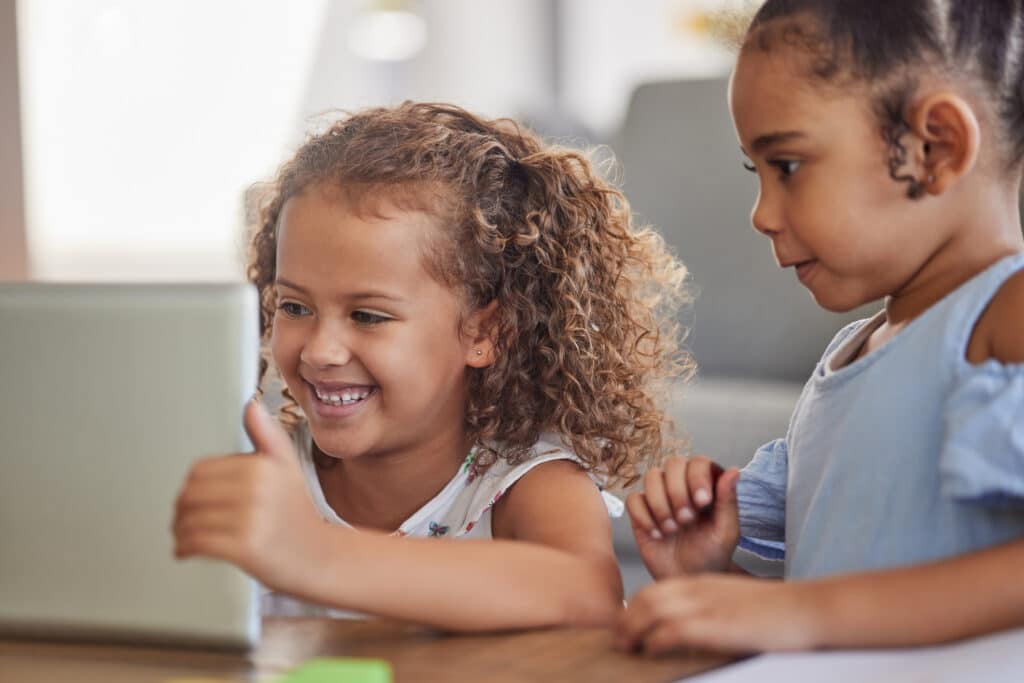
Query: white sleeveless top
{"points": [[462, 509]]}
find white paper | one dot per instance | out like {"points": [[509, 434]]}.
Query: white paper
{"points": [[997, 658]]}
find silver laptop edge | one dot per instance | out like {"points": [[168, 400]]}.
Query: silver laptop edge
{"points": [[108, 393]]}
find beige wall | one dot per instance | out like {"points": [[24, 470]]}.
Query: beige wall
{"points": [[13, 255]]}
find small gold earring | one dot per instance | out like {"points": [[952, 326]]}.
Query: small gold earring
{"points": [[479, 352]]}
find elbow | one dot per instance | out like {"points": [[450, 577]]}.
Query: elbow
{"points": [[595, 598]]}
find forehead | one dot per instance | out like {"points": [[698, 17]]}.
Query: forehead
{"points": [[767, 84], [324, 238], [772, 90]]}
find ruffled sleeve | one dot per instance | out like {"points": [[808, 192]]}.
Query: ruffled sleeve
{"points": [[982, 459], [761, 493]]}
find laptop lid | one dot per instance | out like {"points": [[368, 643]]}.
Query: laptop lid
{"points": [[108, 393]]}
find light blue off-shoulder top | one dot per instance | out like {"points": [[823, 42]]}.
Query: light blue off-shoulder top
{"points": [[907, 455]]}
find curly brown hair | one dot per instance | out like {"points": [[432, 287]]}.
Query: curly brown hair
{"points": [[585, 324]]}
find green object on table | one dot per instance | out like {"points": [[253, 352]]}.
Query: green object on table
{"points": [[341, 670]]}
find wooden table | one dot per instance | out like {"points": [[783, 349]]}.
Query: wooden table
{"points": [[415, 654]]}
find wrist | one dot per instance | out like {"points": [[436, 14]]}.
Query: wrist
{"points": [[722, 561], [316, 568], [713, 564], [816, 607]]}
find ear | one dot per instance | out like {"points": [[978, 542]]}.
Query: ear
{"points": [[479, 330], [949, 138]]}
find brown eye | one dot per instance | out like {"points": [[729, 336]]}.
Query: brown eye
{"points": [[787, 167], [292, 309], [367, 318]]}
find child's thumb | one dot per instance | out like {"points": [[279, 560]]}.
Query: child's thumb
{"points": [[265, 432], [725, 494]]}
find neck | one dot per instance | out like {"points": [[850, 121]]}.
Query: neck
{"points": [[986, 231], [382, 490]]}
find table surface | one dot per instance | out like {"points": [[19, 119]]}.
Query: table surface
{"points": [[415, 654]]}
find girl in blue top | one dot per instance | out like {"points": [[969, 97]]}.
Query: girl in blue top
{"points": [[888, 138]]}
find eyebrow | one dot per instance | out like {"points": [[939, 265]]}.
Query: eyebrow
{"points": [[282, 282], [774, 139]]}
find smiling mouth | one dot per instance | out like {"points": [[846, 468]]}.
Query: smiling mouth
{"points": [[347, 396]]}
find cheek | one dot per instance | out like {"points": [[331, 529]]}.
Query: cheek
{"points": [[428, 360], [285, 347]]}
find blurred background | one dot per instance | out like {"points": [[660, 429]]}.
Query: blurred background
{"points": [[130, 131], [142, 123]]}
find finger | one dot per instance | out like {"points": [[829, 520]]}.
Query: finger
{"points": [[218, 544], [209, 520], [206, 493], [219, 467], [633, 622], [726, 507], [725, 488], [651, 604], [657, 501], [669, 635], [693, 632], [700, 477], [675, 486], [266, 433], [640, 517]]}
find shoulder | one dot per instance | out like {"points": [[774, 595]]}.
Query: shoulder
{"points": [[552, 494], [999, 334]]}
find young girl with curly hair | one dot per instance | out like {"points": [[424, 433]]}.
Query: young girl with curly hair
{"points": [[470, 332], [888, 138]]}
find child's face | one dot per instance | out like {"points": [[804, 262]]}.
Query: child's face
{"points": [[826, 201], [365, 338]]}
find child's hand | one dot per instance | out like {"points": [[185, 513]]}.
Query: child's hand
{"points": [[686, 519], [724, 613], [251, 509]]}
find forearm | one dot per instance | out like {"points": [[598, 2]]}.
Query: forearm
{"points": [[948, 600], [461, 585]]}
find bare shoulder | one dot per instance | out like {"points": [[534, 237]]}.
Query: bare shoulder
{"points": [[999, 334], [555, 501]]}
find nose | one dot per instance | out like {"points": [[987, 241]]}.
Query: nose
{"points": [[766, 216], [327, 346]]}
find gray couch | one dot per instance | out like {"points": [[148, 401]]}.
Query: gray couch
{"points": [[755, 331]]}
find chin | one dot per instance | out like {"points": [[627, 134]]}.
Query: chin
{"points": [[331, 438], [837, 304], [838, 307], [334, 447]]}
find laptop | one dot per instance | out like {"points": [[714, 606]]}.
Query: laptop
{"points": [[108, 393]]}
